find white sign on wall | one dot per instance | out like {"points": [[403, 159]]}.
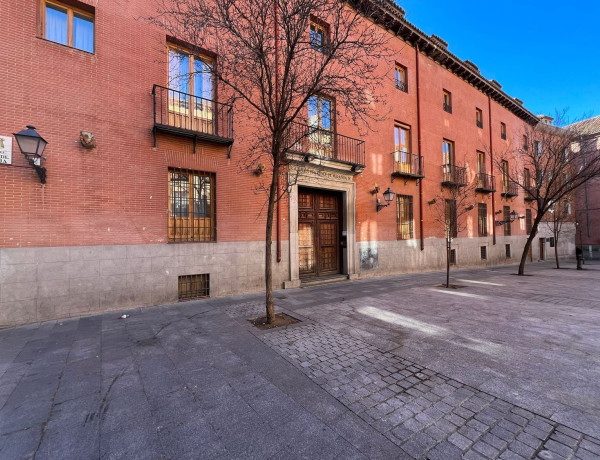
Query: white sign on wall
{"points": [[5, 150]]}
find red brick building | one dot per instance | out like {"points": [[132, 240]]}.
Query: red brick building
{"points": [[130, 217], [587, 198]]}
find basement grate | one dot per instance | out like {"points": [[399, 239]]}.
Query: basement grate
{"points": [[193, 286]]}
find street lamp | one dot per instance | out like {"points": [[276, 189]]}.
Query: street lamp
{"points": [[514, 215], [32, 146], [388, 196]]}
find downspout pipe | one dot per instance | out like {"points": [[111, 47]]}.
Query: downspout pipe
{"points": [[421, 224], [492, 168]]}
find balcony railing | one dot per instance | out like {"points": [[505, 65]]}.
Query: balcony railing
{"points": [[402, 85], [509, 189], [313, 142], [454, 176], [479, 123], [407, 165], [529, 197], [485, 183], [187, 115], [448, 107]]}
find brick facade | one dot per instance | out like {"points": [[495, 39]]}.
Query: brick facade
{"points": [[109, 204]]}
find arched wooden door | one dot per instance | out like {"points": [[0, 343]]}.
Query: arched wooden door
{"points": [[319, 229]]}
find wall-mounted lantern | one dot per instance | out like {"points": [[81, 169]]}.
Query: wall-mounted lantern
{"points": [[32, 146], [514, 215], [388, 196]]}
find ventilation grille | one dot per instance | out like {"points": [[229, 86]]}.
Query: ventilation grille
{"points": [[194, 286], [508, 251], [483, 252]]}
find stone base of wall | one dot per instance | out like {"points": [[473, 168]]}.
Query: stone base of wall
{"points": [[380, 258], [40, 284]]}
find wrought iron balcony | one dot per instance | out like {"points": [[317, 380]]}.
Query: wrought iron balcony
{"points": [[529, 197], [402, 85], [407, 165], [485, 183], [191, 116], [509, 189], [313, 143], [454, 176], [448, 107]]}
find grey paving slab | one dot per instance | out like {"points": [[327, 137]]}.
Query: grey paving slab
{"points": [[505, 367]]}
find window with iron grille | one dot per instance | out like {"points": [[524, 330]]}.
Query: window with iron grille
{"points": [[451, 221], [401, 78], [552, 241], [191, 206], [404, 217], [479, 118], [528, 221], [503, 131], [453, 256], [507, 251], [506, 218], [447, 101], [193, 286], [483, 252], [482, 219]]}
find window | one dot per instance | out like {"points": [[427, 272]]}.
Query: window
{"points": [[566, 154], [479, 118], [537, 145], [448, 101], [568, 208], [482, 219], [480, 162], [448, 152], [506, 218], [483, 252], [503, 131], [191, 206], [404, 217], [507, 249], [552, 241], [453, 256], [319, 36], [68, 26], [402, 143], [401, 78], [526, 178], [528, 221], [451, 221], [525, 142], [504, 168], [320, 122]]}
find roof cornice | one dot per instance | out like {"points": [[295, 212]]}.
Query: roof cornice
{"points": [[392, 18]]}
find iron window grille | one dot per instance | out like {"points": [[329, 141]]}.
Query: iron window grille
{"points": [[451, 219], [528, 221], [506, 218], [482, 219], [483, 252], [191, 206], [404, 217], [453, 256], [401, 78], [193, 286], [507, 248]]}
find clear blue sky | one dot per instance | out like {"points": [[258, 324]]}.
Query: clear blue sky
{"points": [[545, 53]]}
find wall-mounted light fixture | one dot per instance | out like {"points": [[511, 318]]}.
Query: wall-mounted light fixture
{"points": [[514, 215], [388, 196], [32, 146]]}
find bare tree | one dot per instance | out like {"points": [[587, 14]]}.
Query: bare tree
{"points": [[273, 57], [558, 214], [549, 164], [451, 205]]}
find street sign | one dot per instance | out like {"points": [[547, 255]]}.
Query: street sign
{"points": [[5, 150]]}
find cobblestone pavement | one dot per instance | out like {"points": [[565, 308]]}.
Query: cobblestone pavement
{"points": [[384, 368], [427, 414]]}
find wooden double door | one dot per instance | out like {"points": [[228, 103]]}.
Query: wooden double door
{"points": [[319, 232]]}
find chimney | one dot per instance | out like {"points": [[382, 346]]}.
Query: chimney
{"points": [[547, 120]]}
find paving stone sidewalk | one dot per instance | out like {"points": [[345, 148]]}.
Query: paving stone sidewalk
{"points": [[195, 380]]}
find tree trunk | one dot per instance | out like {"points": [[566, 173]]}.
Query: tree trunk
{"points": [[448, 251], [556, 250], [534, 229], [273, 193]]}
